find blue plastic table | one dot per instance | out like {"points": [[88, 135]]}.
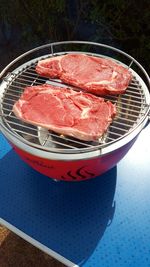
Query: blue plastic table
{"points": [[102, 222]]}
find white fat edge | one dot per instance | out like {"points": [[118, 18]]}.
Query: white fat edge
{"points": [[17, 110], [49, 59], [114, 75], [21, 102], [101, 82], [84, 113], [54, 90]]}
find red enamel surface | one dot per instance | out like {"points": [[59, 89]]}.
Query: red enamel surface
{"points": [[76, 170]]}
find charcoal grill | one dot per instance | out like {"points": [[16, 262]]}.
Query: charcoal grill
{"points": [[63, 157]]}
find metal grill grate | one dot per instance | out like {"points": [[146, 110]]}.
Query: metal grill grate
{"points": [[131, 107]]}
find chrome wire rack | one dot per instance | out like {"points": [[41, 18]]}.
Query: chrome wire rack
{"points": [[132, 107]]}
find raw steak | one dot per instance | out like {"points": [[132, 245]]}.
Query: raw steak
{"points": [[100, 76], [78, 114]]}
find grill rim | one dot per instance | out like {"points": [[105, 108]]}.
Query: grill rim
{"points": [[102, 149], [73, 156]]}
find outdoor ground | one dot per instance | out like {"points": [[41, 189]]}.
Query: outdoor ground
{"points": [[15, 252]]}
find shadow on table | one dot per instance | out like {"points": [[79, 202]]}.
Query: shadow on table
{"points": [[67, 217]]}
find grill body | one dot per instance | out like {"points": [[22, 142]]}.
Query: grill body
{"points": [[74, 170], [65, 158]]}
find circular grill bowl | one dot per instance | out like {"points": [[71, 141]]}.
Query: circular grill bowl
{"points": [[63, 157]]}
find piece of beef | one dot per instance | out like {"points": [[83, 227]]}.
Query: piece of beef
{"points": [[100, 76], [78, 114]]}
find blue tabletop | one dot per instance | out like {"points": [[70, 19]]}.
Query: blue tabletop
{"points": [[104, 221]]}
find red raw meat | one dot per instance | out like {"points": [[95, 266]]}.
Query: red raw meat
{"points": [[65, 111], [100, 76]]}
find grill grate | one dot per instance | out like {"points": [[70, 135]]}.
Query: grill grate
{"points": [[131, 107]]}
